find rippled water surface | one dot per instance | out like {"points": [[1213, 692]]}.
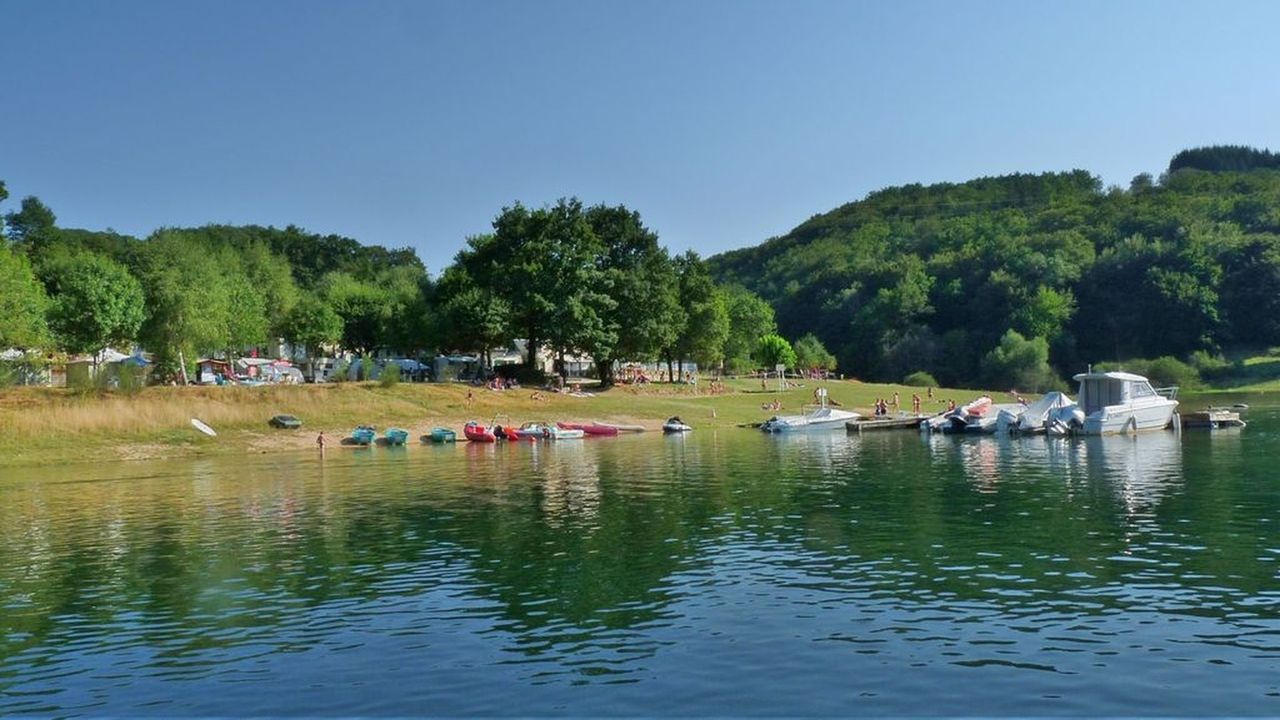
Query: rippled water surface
{"points": [[722, 573]]}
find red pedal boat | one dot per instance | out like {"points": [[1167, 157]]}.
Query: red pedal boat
{"points": [[476, 432]]}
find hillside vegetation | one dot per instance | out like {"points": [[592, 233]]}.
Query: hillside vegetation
{"points": [[1027, 278]]}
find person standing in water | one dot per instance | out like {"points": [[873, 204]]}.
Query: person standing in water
{"points": [[320, 441]]}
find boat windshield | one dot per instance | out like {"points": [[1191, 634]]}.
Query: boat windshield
{"points": [[1141, 390]]}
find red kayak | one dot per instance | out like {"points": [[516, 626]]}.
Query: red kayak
{"points": [[476, 432], [589, 428]]}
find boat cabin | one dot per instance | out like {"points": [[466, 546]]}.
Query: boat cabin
{"points": [[1099, 390]]}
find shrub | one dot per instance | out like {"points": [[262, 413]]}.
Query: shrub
{"points": [[389, 376], [919, 378], [340, 371], [1019, 362], [811, 353], [1160, 371], [1212, 366]]}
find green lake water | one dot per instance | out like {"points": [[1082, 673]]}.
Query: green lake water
{"points": [[725, 573]]}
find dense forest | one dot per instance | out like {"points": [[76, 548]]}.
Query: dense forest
{"points": [[1027, 278], [1016, 280]]}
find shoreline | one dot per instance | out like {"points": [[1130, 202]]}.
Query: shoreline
{"points": [[44, 426]]}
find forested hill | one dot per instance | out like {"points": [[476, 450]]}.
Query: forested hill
{"points": [[933, 278]]}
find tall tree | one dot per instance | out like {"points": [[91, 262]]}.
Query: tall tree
{"points": [[706, 326], [272, 278], [469, 317], [32, 224], [543, 265], [22, 302], [364, 308], [188, 311], [812, 354], [750, 318], [312, 324], [643, 314], [96, 302]]}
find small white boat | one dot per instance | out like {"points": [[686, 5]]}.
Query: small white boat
{"points": [[822, 417], [547, 431], [1117, 402], [675, 425]]}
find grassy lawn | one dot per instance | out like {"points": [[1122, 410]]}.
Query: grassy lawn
{"points": [[46, 425], [1254, 371]]}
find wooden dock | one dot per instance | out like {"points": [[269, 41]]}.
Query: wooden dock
{"points": [[1212, 418], [906, 422]]}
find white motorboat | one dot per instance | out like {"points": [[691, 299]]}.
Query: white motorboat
{"points": [[547, 431], [821, 417], [1117, 402]]}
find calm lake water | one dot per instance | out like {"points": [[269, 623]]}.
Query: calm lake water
{"points": [[724, 573]]}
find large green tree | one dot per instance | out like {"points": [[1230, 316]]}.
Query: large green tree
{"points": [[364, 308], [22, 302], [812, 354], [750, 318], [1019, 362], [96, 302], [543, 264], [706, 326], [469, 317], [312, 324], [200, 298], [32, 224], [643, 314], [774, 350]]}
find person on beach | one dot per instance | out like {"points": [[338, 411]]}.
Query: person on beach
{"points": [[320, 441], [471, 398], [915, 403]]}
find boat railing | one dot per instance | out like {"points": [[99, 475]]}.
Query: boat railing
{"points": [[1170, 392]]}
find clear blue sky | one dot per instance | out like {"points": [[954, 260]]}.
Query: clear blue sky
{"points": [[722, 123]]}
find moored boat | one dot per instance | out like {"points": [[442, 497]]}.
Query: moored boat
{"points": [[443, 435], [396, 436], [547, 431], [821, 417], [364, 434], [1035, 417], [589, 428], [623, 427], [1116, 402], [475, 432], [559, 433]]}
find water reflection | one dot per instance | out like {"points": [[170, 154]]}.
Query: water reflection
{"points": [[780, 566]]}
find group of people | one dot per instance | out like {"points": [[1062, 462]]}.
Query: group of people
{"points": [[497, 382]]}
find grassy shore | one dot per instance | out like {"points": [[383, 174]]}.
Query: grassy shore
{"points": [[44, 425]]}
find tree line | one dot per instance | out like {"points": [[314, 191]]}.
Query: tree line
{"points": [[1024, 279], [571, 279]]}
